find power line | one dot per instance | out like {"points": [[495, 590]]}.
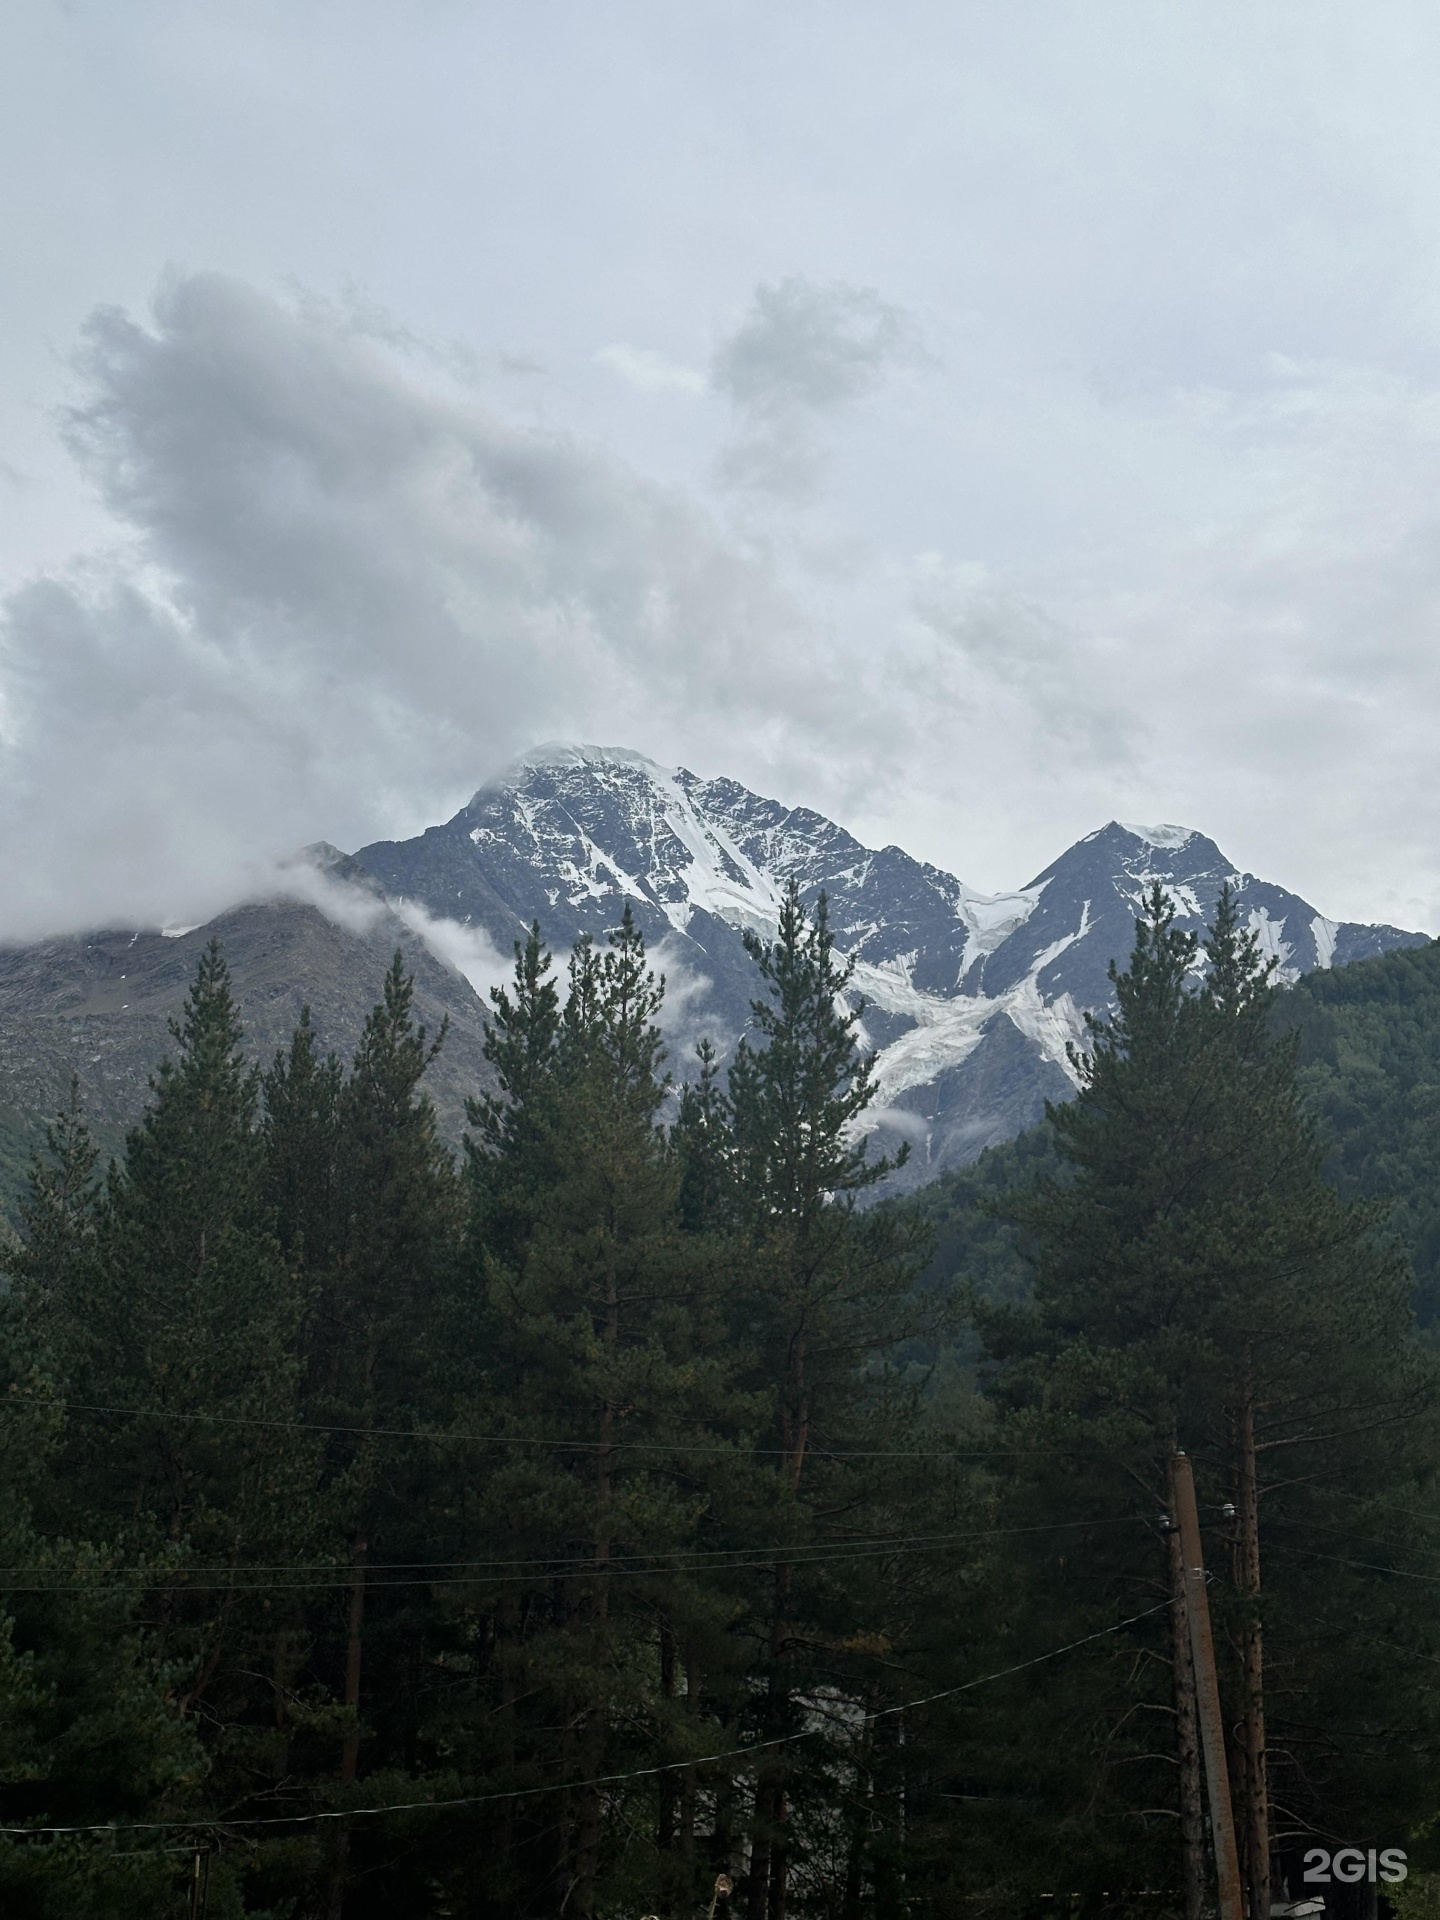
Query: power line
{"points": [[1380, 1506], [439, 1572], [576, 1786], [1005, 1672], [738, 1448], [1360, 1566]]}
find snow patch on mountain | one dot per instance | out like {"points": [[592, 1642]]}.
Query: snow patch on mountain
{"points": [[1185, 897], [572, 834], [1056, 947], [1054, 1025], [1270, 936], [945, 1033], [691, 862], [948, 1030], [991, 918], [1161, 836]]}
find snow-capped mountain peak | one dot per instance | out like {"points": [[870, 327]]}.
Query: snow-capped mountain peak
{"points": [[1161, 836], [556, 755], [972, 999]]}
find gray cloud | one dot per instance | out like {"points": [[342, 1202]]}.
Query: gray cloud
{"points": [[340, 589], [344, 594], [1157, 539], [803, 353], [1050, 672]]}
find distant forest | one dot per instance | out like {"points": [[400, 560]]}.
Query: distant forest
{"points": [[639, 1518]]}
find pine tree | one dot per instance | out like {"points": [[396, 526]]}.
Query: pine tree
{"points": [[702, 1139], [380, 1223], [594, 1296], [179, 1334], [161, 1317], [86, 1730], [1197, 1283], [828, 1291], [301, 1132], [57, 1213]]}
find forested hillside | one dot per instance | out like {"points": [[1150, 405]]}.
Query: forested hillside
{"points": [[1370, 1053], [586, 1529], [1369, 1064], [971, 998]]}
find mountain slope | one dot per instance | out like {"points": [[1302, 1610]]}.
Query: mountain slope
{"points": [[972, 999], [1370, 1062], [99, 1006], [1370, 1066]]}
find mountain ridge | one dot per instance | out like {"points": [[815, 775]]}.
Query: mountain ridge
{"points": [[567, 833], [971, 999]]}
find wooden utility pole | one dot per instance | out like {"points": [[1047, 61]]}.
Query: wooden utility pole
{"points": [[1187, 1726], [1207, 1696], [1247, 1569], [200, 1885]]}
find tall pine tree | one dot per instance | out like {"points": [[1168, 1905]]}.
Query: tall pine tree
{"points": [[1198, 1284]]}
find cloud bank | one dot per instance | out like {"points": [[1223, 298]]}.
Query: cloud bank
{"points": [[342, 590], [343, 593]]}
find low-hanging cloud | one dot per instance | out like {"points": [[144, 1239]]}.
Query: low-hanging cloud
{"points": [[343, 591], [343, 594], [468, 949]]}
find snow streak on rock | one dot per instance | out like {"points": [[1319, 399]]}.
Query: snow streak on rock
{"points": [[973, 1002]]}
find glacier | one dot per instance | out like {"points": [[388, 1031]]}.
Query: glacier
{"points": [[974, 1002]]}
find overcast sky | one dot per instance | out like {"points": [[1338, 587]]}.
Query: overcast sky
{"points": [[976, 421]]}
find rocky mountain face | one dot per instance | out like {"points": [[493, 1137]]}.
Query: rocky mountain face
{"points": [[99, 1006], [970, 998]]}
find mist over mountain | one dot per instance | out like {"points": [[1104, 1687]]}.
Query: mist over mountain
{"points": [[971, 999]]}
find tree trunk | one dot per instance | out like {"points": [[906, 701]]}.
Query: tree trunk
{"points": [[779, 1862], [587, 1826], [689, 1782], [669, 1782], [722, 1840], [592, 1741], [1256, 1822], [768, 1895], [854, 1861], [888, 1833], [350, 1751], [757, 1892], [1187, 1729], [507, 1639], [861, 1817]]}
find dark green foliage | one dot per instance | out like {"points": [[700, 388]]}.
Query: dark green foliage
{"points": [[701, 1139], [595, 1308], [1197, 1282], [1369, 1067], [1370, 1064], [172, 1324], [973, 1238], [633, 1496]]}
